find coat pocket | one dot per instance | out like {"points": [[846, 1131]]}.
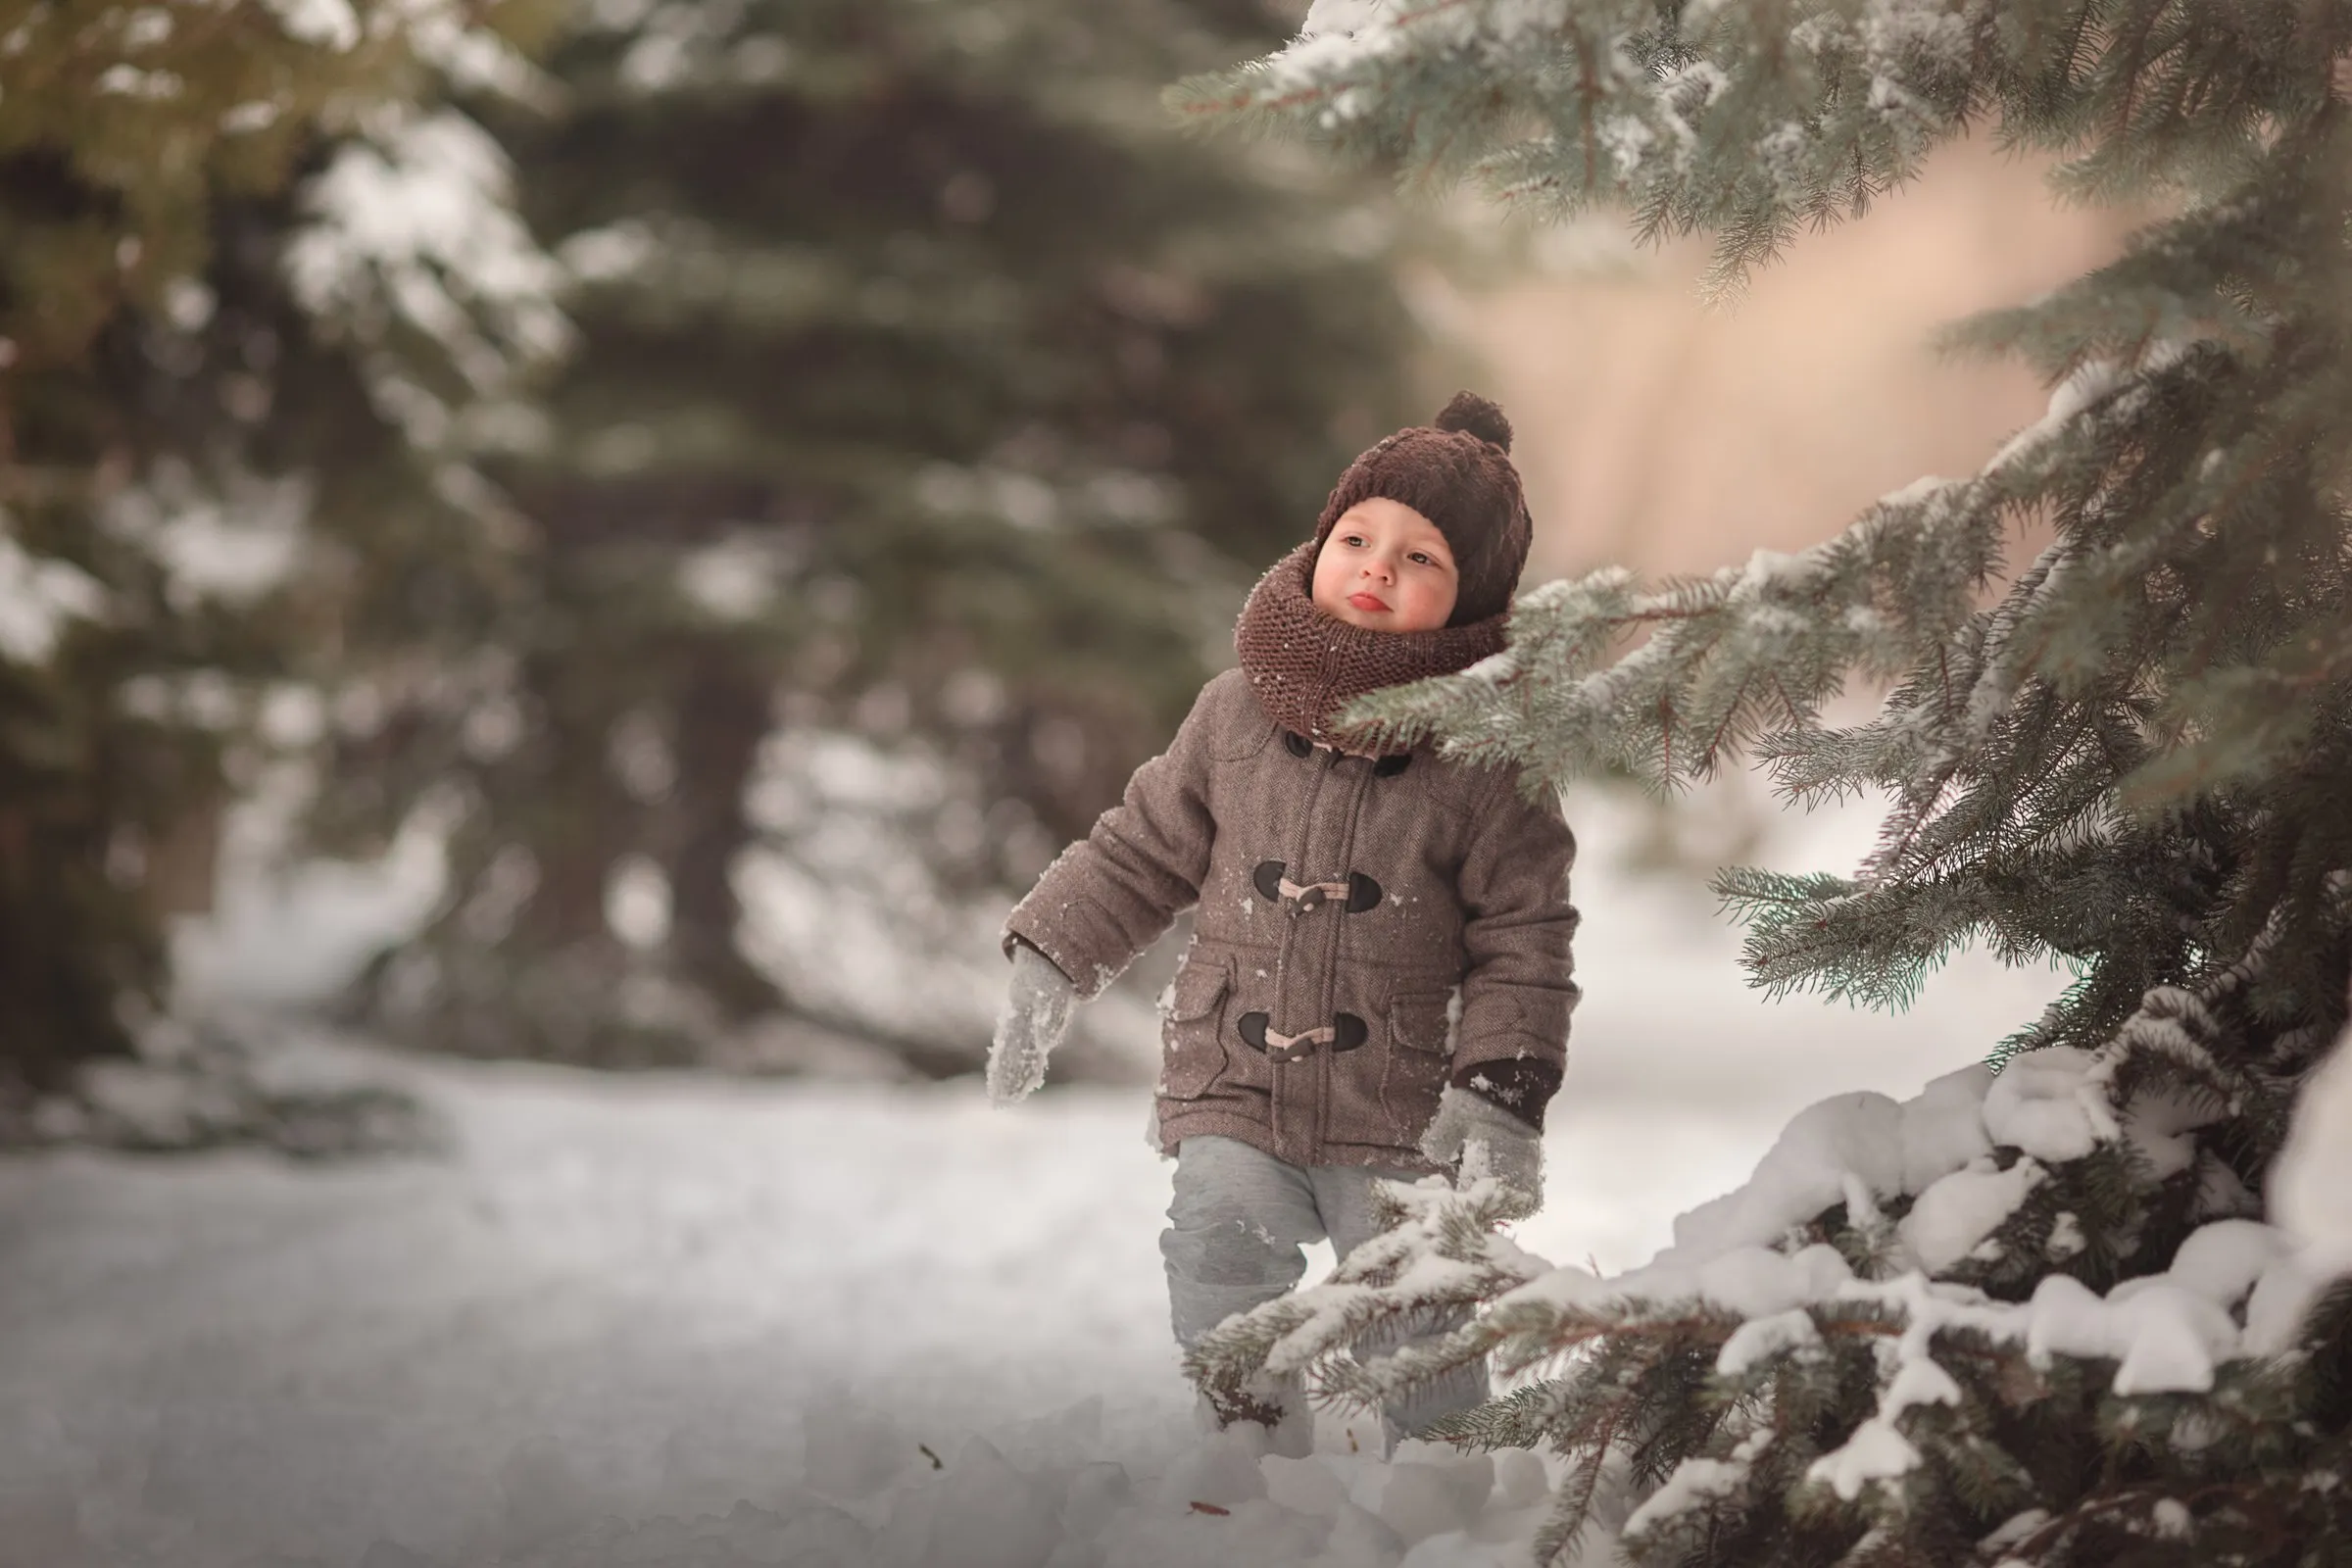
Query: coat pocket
{"points": [[1193, 1029], [1419, 1056]]}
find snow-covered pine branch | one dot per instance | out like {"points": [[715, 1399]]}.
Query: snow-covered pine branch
{"points": [[1878, 1243], [1443, 1251], [2128, 758], [1756, 122], [1751, 121], [1745, 658]]}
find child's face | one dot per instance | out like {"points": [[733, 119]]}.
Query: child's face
{"points": [[1386, 568]]}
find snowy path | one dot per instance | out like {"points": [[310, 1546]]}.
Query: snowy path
{"points": [[644, 1291], [637, 1272], [621, 1297]]}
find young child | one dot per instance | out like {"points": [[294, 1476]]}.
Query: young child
{"points": [[1379, 980]]}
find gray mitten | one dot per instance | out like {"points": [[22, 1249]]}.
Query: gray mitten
{"points": [[1035, 1016], [1487, 1141]]}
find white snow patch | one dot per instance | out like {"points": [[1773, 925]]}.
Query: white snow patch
{"points": [[2222, 1262], [38, 596], [2045, 1103], [1693, 1484], [2306, 1187], [328, 23], [1918, 1381], [1344, 18], [2166, 1338], [1858, 1134], [1954, 1215], [636, 1321], [1918, 490], [417, 224], [126, 81], [1761, 1339], [732, 580], [2084, 385], [233, 547], [1876, 1452]]}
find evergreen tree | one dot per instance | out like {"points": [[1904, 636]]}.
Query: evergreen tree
{"points": [[927, 388], [220, 352], [2031, 1318]]}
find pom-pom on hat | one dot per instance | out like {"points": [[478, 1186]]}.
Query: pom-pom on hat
{"points": [[1456, 471]]}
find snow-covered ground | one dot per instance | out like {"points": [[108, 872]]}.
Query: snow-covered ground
{"points": [[882, 1325]]}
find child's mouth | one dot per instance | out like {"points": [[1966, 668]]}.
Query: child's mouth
{"points": [[1367, 602]]}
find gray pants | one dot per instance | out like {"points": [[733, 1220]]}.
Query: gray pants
{"points": [[1237, 1225]]}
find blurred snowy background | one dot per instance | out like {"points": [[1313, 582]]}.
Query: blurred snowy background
{"points": [[554, 588]]}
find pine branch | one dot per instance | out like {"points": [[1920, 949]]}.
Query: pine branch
{"points": [[2130, 762], [1442, 1257]]}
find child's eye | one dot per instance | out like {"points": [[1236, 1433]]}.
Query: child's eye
{"points": [[1355, 541]]}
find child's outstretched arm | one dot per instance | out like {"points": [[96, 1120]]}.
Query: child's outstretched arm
{"points": [[1108, 897], [1112, 893]]}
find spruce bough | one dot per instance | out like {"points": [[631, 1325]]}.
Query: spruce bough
{"points": [[2031, 1318]]}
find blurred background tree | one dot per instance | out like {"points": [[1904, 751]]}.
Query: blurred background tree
{"points": [[235, 343], [933, 401]]}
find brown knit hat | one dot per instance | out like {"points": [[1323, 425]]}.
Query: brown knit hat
{"points": [[1456, 471]]}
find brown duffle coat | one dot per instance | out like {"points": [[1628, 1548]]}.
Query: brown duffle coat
{"points": [[1368, 929]]}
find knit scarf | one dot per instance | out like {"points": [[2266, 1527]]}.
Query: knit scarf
{"points": [[1306, 664]]}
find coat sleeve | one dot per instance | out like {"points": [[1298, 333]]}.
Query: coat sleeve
{"points": [[1511, 1044], [1114, 893]]}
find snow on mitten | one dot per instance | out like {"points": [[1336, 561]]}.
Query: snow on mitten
{"points": [[1486, 1139], [1035, 1016]]}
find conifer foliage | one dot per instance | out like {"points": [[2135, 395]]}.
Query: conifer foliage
{"points": [[253, 269], [2026, 1319]]}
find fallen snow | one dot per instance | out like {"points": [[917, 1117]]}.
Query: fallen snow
{"points": [[770, 1322], [679, 1319]]}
